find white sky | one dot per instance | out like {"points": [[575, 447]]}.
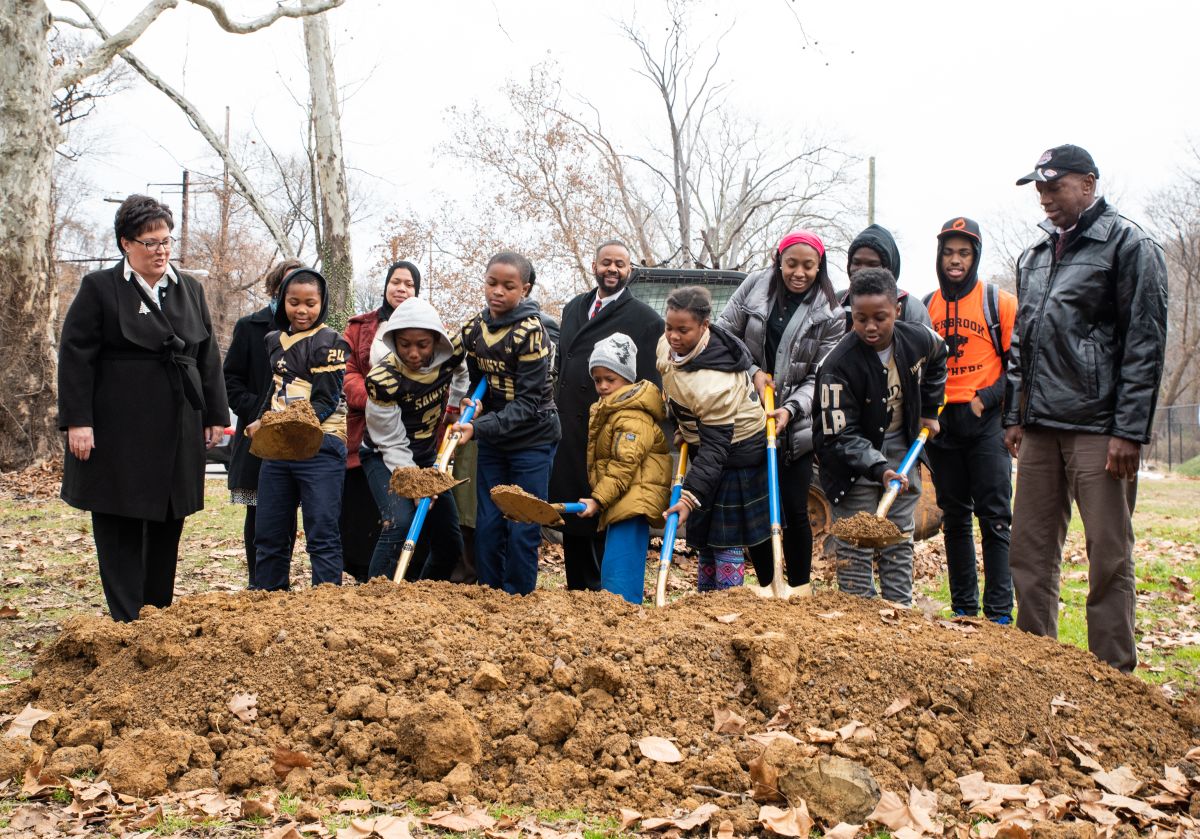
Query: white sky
{"points": [[955, 100]]}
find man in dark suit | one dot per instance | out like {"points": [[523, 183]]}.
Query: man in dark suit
{"points": [[588, 318]]}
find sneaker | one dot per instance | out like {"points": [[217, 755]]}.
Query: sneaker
{"points": [[1003, 620]]}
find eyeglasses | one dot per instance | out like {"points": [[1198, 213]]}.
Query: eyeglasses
{"points": [[155, 247]]}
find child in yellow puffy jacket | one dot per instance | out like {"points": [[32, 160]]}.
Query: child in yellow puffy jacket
{"points": [[629, 464]]}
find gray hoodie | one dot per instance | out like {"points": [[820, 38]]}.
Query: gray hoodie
{"points": [[401, 420]]}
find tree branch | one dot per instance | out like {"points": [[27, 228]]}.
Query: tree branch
{"points": [[310, 7], [111, 45]]}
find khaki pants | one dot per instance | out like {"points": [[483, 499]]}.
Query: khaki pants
{"points": [[1055, 467]]}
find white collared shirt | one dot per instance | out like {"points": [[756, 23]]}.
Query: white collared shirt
{"points": [[604, 301], [168, 276]]}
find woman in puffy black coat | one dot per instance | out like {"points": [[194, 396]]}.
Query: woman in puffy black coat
{"points": [[247, 379], [789, 319]]}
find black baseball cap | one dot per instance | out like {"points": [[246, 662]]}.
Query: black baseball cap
{"points": [[961, 226], [1058, 161]]}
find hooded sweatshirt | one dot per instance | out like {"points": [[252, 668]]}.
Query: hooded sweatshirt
{"points": [[513, 353], [711, 396], [405, 407], [880, 240], [957, 312], [310, 364]]}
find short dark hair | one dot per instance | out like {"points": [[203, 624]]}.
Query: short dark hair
{"points": [[693, 299], [871, 281], [519, 261], [137, 214], [616, 242], [273, 279]]}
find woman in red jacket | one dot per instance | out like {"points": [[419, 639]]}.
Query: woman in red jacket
{"points": [[360, 516]]}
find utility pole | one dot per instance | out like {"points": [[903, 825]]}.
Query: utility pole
{"points": [[871, 189], [183, 224]]}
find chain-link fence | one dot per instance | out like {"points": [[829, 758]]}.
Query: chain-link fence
{"points": [[1176, 436]]}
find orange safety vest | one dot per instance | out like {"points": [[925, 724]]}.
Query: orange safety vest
{"points": [[970, 331]]}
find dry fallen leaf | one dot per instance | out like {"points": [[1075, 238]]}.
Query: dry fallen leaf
{"points": [[725, 830], [821, 735], [1060, 703], [286, 831], [728, 721], [629, 818], [964, 628], [766, 738], [471, 818], [794, 821], [286, 760], [898, 705], [243, 706], [689, 822], [660, 749], [1078, 747], [149, 821], [1120, 781], [847, 730], [730, 618], [258, 808], [7, 611], [354, 805], [841, 830], [915, 815], [765, 778], [22, 725], [782, 718], [829, 616]]}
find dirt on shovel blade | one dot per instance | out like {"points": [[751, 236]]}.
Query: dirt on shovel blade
{"points": [[291, 434], [518, 505], [417, 482], [865, 527]]}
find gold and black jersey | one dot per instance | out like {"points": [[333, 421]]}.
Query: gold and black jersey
{"points": [[310, 365], [421, 396], [512, 354]]}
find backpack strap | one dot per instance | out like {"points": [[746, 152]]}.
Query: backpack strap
{"points": [[991, 316]]}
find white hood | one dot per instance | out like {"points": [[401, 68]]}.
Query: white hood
{"points": [[413, 313]]}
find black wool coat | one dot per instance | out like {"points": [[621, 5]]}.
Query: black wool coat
{"points": [[247, 380], [114, 376], [576, 392]]}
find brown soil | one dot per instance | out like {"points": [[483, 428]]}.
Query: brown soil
{"points": [[416, 482], [518, 505], [864, 527], [429, 689], [291, 434]]}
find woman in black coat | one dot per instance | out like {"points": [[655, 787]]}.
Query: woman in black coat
{"points": [[140, 396], [247, 379]]}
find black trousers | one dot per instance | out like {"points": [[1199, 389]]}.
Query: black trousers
{"points": [[359, 524], [794, 481], [137, 562], [972, 472], [582, 553]]}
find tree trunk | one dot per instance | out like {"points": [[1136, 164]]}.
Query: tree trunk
{"points": [[336, 262], [28, 135]]}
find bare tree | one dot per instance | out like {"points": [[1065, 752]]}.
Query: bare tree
{"points": [[1174, 214], [28, 138]]}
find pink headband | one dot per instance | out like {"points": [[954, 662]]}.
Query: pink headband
{"points": [[802, 237]]}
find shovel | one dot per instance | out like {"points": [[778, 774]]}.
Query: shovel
{"points": [[668, 539], [442, 464], [518, 505], [848, 532], [779, 587]]}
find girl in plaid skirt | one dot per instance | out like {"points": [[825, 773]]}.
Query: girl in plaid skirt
{"points": [[710, 394]]}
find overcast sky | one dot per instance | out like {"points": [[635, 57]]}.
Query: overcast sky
{"points": [[955, 100]]}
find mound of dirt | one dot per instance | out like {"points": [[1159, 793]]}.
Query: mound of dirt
{"points": [[430, 690], [291, 434], [415, 482]]}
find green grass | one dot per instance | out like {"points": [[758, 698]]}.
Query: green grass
{"points": [[172, 823], [1189, 468], [288, 805]]}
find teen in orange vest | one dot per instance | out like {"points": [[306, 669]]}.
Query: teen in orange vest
{"points": [[972, 470]]}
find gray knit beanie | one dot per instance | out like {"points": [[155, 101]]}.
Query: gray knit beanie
{"points": [[618, 353]]}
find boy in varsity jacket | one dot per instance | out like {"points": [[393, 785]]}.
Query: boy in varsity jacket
{"points": [[308, 361], [420, 373], [972, 469], [878, 387], [517, 428]]}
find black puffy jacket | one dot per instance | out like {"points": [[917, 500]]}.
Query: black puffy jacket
{"points": [[1087, 350], [852, 389]]}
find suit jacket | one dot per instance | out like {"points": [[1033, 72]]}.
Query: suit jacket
{"points": [[247, 381], [576, 393], [115, 376]]}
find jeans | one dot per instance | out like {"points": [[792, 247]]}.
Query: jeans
{"points": [[315, 485], [623, 569], [972, 472], [440, 536], [506, 553]]}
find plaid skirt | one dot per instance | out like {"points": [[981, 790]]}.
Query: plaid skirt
{"points": [[739, 515]]}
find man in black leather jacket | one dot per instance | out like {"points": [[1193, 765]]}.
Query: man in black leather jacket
{"points": [[1084, 370]]}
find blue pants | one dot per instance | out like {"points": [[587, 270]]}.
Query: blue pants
{"points": [[440, 536], [315, 485], [506, 553], [623, 569]]}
